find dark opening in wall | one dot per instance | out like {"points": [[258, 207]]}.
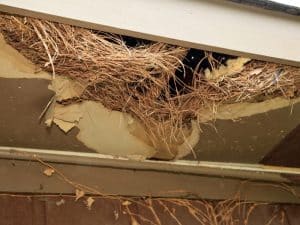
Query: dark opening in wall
{"points": [[195, 61], [134, 42]]}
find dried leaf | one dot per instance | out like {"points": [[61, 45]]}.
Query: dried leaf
{"points": [[49, 171], [60, 202], [126, 203], [89, 202], [116, 214], [79, 194]]}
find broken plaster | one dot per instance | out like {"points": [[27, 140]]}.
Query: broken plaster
{"points": [[112, 132], [15, 65]]}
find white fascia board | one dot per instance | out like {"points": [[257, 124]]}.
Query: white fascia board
{"points": [[205, 24]]}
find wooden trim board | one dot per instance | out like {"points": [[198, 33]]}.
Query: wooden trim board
{"points": [[21, 173], [207, 24], [219, 169]]}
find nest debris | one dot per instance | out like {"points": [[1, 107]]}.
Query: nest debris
{"points": [[136, 80], [162, 210]]}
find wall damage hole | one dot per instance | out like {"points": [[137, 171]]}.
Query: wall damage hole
{"points": [[168, 90]]}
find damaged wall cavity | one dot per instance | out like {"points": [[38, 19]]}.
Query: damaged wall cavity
{"points": [[158, 101], [100, 127], [102, 130]]}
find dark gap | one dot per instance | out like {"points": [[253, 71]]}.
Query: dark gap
{"points": [[129, 41], [134, 42], [184, 75]]}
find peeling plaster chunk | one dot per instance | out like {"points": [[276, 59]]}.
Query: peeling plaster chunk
{"points": [[246, 109], [63, 125], [66, 88], [107, 132], [65, 117]]}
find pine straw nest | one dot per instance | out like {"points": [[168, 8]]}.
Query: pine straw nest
{"points": [[136, 80]]}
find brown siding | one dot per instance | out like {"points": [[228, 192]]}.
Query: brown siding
{"points": [[22, 210]]}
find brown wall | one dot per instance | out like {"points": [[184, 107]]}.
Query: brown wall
{"points": [[24, 210]]}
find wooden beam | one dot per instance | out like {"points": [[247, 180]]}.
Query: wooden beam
{"points": [[208, 24], [20, 172], [221, 169]]}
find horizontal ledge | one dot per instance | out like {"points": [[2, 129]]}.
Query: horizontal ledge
{"points": [[21, 172], [204, 168]]}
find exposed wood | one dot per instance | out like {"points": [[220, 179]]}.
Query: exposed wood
{"points": [[27, 177], [21, 173], [209, 24]]}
